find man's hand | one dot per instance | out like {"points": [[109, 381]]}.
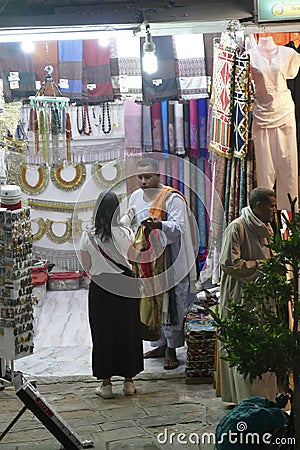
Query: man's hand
{"points": [[152, 223]]}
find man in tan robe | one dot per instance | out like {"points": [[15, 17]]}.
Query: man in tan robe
{"points": [[244, 248]]}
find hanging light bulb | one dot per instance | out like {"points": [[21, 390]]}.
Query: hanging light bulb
{"points": [[149, 56], [27, 46]]}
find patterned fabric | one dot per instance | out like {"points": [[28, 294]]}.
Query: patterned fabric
{"points": [[146, 130], [70, 68], [179, 137], [241, 102], [202, 121], [201, 211], [151, 308], [162, 84], [156, 127], [126, 68], [132, 128], [96, 75], [165, 131], [186, 127], [13, 59], [194, 134], [221, 100], [190, 66], [171, 127], [180, 175], [201, 339]]}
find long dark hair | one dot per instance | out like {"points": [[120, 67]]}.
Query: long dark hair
{"points": [[106, 214]]}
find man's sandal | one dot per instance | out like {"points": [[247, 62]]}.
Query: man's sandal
{"points": [[171, 364]]}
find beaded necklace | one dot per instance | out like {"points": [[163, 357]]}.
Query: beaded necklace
{"points": [[86, 125], [106, 122], [80, 129]]}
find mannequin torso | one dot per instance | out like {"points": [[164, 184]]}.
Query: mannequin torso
{"points": [[267, 47]]}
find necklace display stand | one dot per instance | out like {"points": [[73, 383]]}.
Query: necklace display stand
{"points": [[46, 414]]}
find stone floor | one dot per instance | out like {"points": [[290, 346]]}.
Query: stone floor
{"points": [[164, 403], [166, 413]]}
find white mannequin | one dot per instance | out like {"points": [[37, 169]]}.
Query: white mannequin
{"points": [[267, 47]]}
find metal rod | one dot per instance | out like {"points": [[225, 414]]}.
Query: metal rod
{"points": [[4, 433]]}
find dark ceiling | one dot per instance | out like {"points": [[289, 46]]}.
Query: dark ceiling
{"points": [[36, 13]]}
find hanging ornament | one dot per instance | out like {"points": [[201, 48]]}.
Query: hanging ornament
{"points": [[68, 130], [41, 228], [41, 184], [97, 174], [43, 135], [106, 120], [72, 185], [55, 130], [54, 237]]}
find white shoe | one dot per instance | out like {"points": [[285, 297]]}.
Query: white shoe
{"points": [[104, 391], [129, 388]]}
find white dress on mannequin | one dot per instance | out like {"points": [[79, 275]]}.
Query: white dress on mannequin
{"points": [[274, 126]]}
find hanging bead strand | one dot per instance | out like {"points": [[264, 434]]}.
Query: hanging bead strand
{"points": [[68, 136], [106, 121]]}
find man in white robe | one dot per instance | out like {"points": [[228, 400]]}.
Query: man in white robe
{"points": [[177, 234], [244, 249]]}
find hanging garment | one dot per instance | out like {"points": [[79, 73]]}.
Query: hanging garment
{"points": [[146, 131], [221, 100], [162, 84], [190, 63], [45, 54], [133, 128], [16, 71], [126, 68], [274, 127], [156, 121], [96, 75], [70, 68]]}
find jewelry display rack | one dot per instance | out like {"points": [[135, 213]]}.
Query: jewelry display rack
{"points": [[16, 310]]}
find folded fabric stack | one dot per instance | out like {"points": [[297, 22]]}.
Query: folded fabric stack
{"points": [[201, 338]]}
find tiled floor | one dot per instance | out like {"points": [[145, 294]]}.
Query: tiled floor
{"points": [[63, 342]]}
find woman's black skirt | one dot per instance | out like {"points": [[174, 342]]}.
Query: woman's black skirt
{"points": [[115, 328]]}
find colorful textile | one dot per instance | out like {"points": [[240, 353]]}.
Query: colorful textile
{"points": [[190, 65], [70, 68], [45, 53], [126, 68], [171, 127], [162, 84], [174, 173], [180, 175], [146, 131], [200, 338], [202, 118], [241, 103], [221, 100], [201, 203], [179, 136], [165, 131], [132, 128], [194, 135], [151, 264], [186, 127], [18, 66], [96, 75], [156, 123]]}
